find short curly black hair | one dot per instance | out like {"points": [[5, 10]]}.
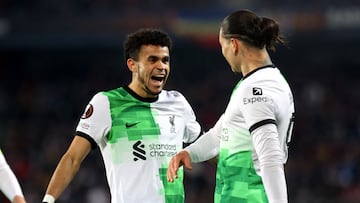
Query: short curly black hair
{"points": [[144, 36]]}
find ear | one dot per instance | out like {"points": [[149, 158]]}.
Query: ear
{"points": [[131, 64], [235, 45]]}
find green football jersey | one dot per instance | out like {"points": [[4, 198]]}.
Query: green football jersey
{"points": [[257, 100], [137, 138]]}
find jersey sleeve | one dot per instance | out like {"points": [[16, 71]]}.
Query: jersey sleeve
{"points": [[9, 184], [207, 146], [257, 106], [95, 122], [192, 127], [267, 146], [259, 112]]}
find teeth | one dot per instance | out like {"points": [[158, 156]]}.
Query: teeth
{"points": [[157, 78]]}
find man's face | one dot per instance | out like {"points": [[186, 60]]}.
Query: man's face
{"points": [[229, 48], [225, 47], [150, 71]]}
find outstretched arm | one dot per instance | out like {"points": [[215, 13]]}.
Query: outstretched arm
{"points": [[67, 168], [9, 183], [203, 149]]}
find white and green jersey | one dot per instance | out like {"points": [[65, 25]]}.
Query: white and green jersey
{"points": [[137, 138], [262, 97], [251, 140]]}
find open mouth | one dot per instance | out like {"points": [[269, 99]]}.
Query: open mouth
{"points": [[158, 78]]}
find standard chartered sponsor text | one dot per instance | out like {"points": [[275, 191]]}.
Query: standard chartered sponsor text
{"points": [[161, 150]]}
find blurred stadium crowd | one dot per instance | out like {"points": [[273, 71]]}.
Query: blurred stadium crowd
{"points": [[46, 82]]}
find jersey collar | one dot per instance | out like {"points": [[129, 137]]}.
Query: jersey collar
{"points": [[136, 96], [262, 67]]}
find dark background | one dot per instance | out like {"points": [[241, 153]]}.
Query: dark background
{"points": [[55, 55]]}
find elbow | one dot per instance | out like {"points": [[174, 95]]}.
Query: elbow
{"points": [[71, 163]]}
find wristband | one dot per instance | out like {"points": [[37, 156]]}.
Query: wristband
{"points": [[48, 199]]}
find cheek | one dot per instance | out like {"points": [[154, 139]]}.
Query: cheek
{"points": [[225, 51], [142, 70]]}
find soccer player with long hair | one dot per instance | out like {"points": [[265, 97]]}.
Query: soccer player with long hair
{"points": [[251, 137]]}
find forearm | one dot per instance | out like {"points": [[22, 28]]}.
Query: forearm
{"points": [[62, 176], [19, 199], [205, 148], [67, 168], [275, 184], [9, 185], [270, 156]]}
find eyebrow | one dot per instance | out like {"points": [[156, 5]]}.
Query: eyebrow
{"points": [[158, 58]]}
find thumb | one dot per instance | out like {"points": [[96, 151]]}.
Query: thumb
{"points": [[187, 162]]}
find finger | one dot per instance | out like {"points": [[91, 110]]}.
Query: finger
{"points": [[170, 171]]}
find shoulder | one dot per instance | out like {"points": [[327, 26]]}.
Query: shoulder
{"points": [[174, 98], [114, 92], [98, 100], [171, 94], [99, 96], [262, 79]]}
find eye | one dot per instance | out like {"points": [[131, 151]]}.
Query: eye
{"points": [[166, 60], [153, 59]]}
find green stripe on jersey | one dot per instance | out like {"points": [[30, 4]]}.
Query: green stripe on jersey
{"points": [[134, 120], [174, 191], [131, 118], [236, 86], [237, 180]]}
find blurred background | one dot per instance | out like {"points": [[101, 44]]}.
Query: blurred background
{"points": [[56, 54]]}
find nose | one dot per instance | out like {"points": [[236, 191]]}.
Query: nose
{"points": [[161, 66]]}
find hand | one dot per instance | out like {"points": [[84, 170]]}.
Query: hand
{"points": [[19, 199], [180, 159]]}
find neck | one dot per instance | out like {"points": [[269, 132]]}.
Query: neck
{"points": [[255, 59], [141, 91]]}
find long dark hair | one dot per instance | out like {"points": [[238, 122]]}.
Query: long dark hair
{"points": [[257, 31]]}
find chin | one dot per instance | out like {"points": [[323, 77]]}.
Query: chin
{"points": [[155, 93]]}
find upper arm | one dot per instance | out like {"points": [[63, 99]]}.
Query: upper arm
{"points": [[78, 149], [257, 106], [192, 126]]}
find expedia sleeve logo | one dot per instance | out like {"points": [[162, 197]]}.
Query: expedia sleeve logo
{"points": [[257, 98], [257, 91]]}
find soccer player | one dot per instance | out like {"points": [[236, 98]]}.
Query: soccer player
{"points": [[9, 184], [251, 137], [137, 127]]}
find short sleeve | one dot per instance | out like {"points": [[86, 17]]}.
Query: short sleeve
{"points": [[257, 106], [192, 127], [96, 119]]}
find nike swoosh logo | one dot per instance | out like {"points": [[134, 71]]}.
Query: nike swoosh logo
{"points": [[129, 125]]}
